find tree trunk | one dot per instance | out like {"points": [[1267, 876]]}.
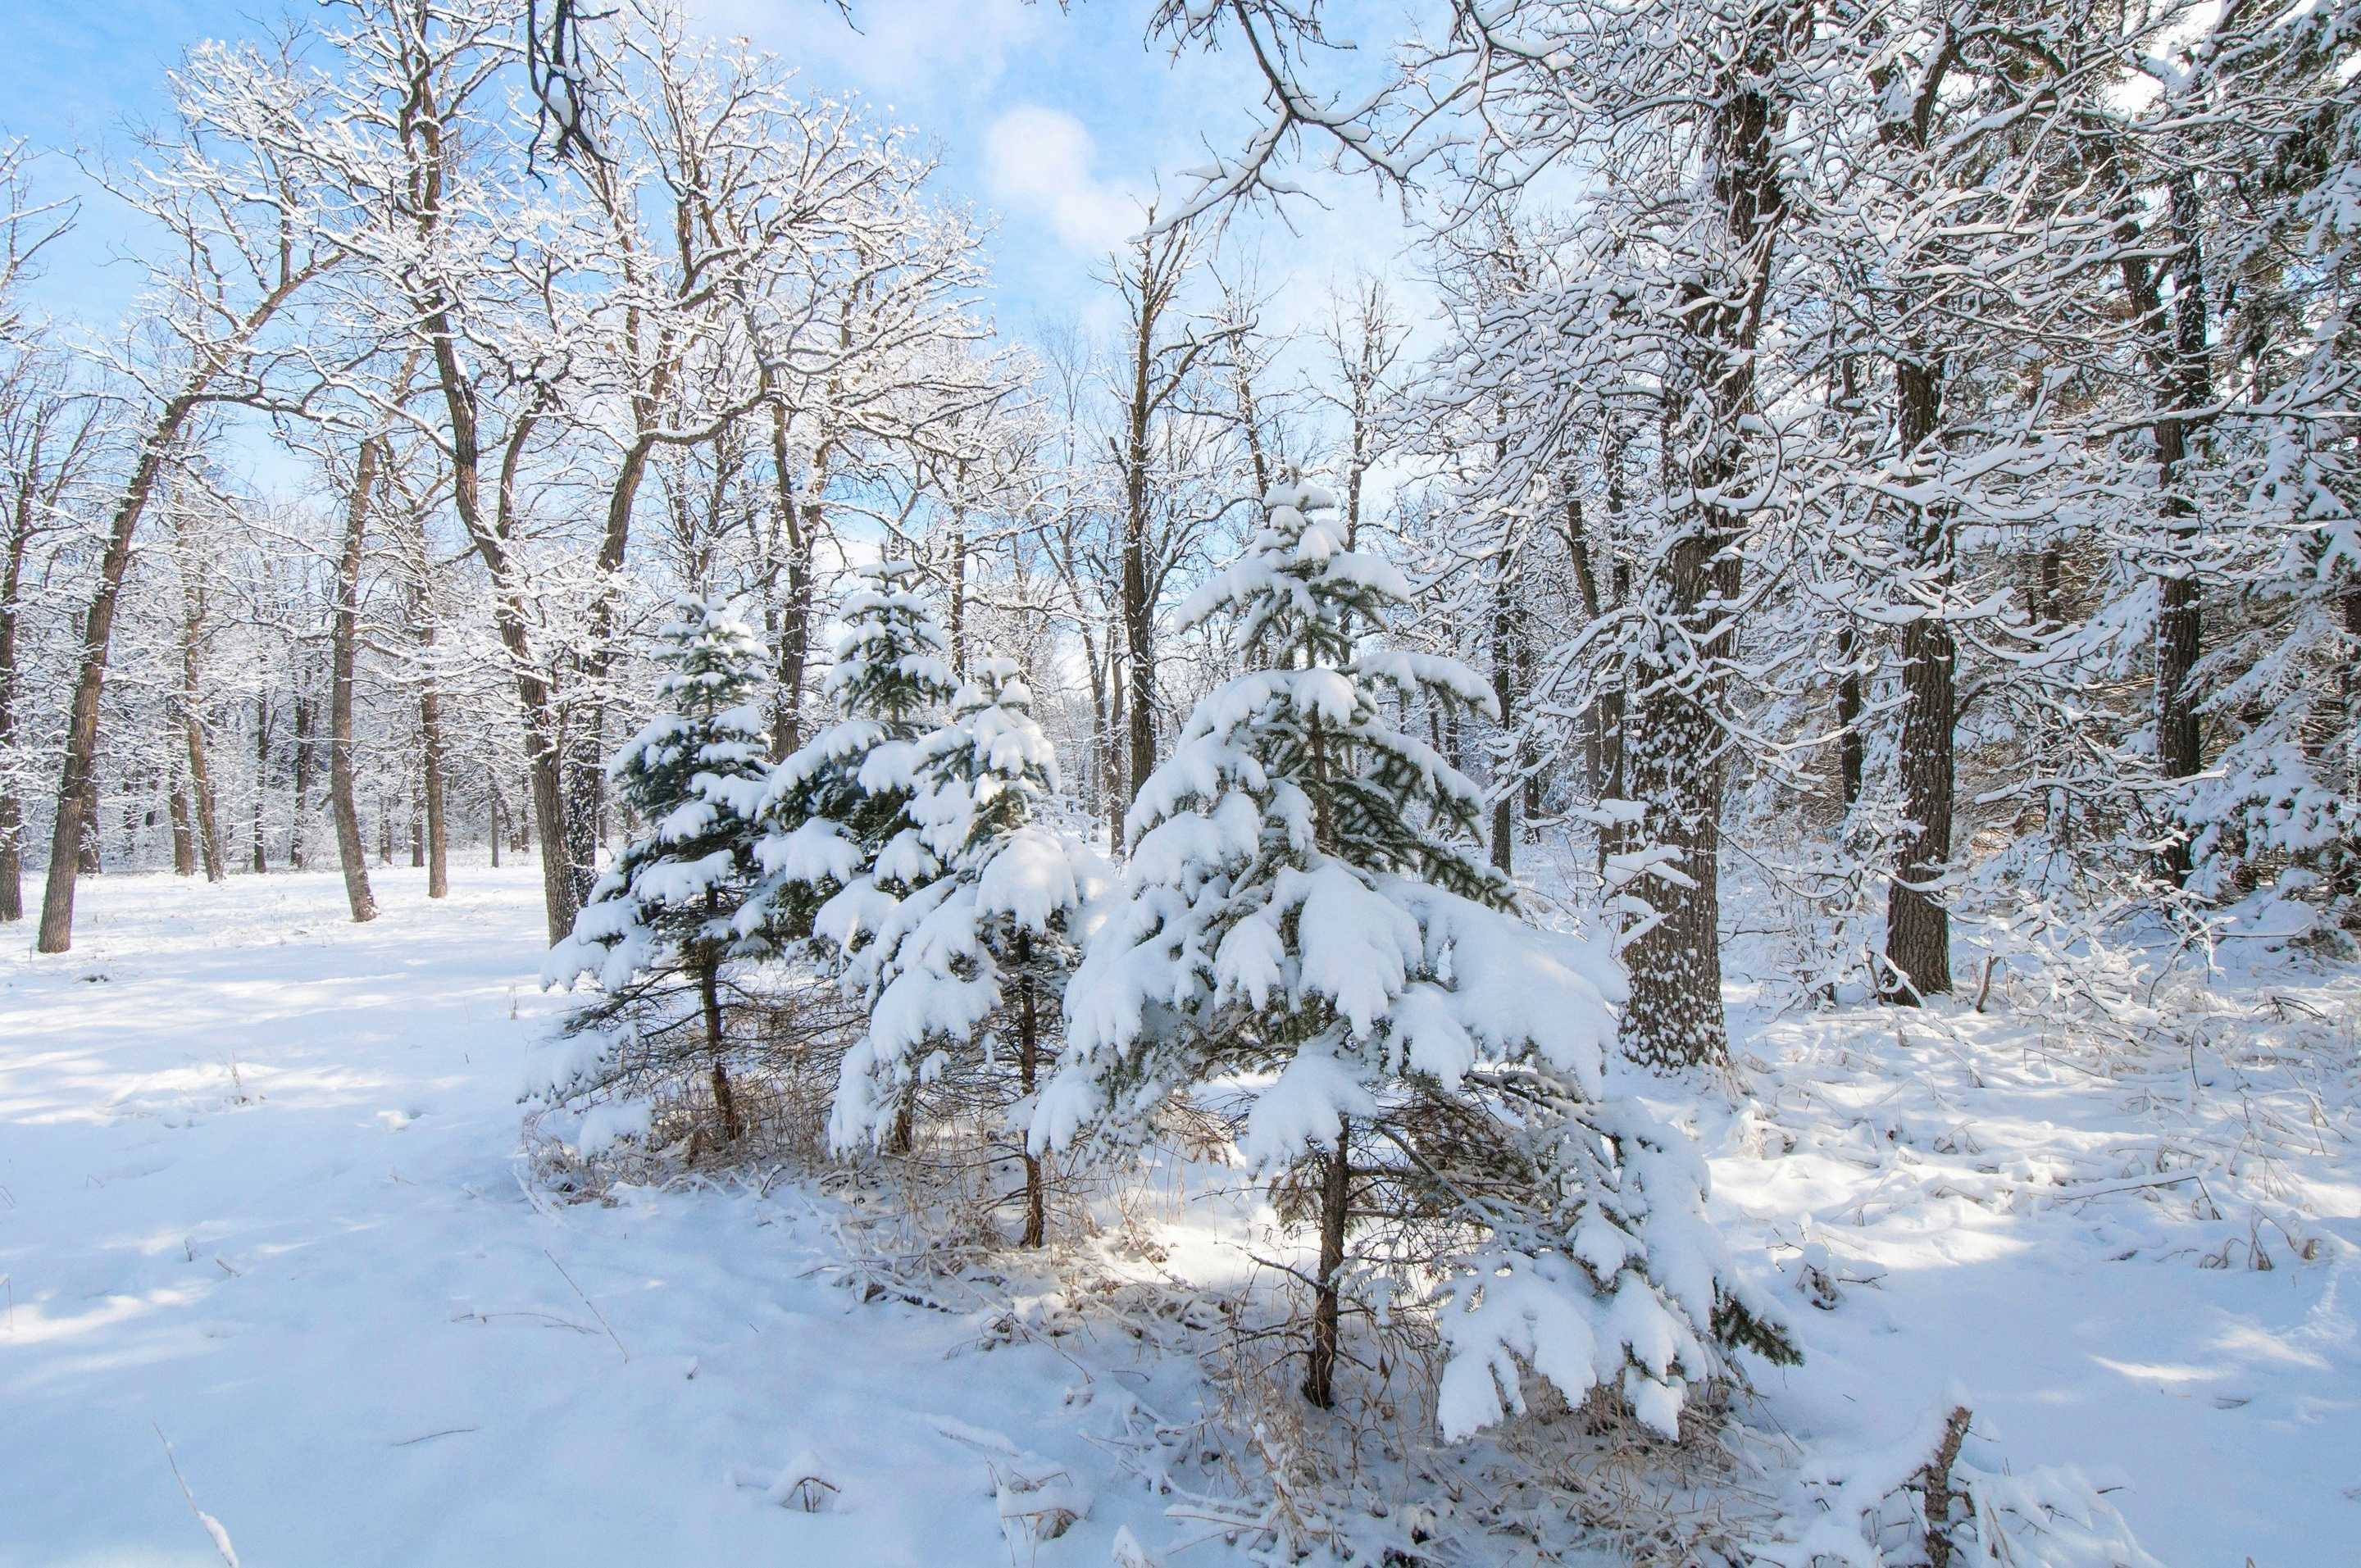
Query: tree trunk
{"points": [[12, 810], [800, 516], [1674, 762], [262, 778], [959, 585], [1119, 791], [2178, 358], [1917, 926], [98, 621], [1851, 746], [352, 853], [1139, 641], [184, 839], [430, 729], [300, 757], [1029, 1050], [709, 992], [1327, 1295], [1504, 815], [1676, 751], [88, 860]]}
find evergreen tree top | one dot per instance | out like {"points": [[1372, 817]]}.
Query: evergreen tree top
{"points": [[891, 662], [1296, 757]]}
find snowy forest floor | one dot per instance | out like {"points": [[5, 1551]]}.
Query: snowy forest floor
{"points": [[261, 1195]]}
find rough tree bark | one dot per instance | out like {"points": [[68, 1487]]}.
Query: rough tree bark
{"points": [[1676, 750], [1917, 926]]}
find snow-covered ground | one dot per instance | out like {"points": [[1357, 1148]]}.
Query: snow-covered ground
{"points": [[261, 1195], [259, 1191]]}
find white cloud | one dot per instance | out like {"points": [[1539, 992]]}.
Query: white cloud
{"points": [[1038, 161]]}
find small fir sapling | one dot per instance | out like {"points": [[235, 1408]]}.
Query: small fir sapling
{"points": [[837, 848], [663, 913], [979, 955], [835, 843], [1306, 916]]}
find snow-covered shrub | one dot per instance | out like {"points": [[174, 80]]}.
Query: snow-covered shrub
{"points": [[1945, 1497], [658, 927], [975, 961], [1305, 921]]}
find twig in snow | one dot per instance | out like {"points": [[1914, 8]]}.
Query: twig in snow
{"points": [[429, 1437], [585, 1301], [213, 1526]]}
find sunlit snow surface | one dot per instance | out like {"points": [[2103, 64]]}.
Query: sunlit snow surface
{"points": [[258, 1188]]}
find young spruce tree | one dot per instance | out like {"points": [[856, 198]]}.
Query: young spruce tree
{"points": [[835, 843], [837, 849], [1307, 911], [978, 957], [661, 918]]}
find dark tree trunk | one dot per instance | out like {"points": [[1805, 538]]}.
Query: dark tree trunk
{"points": [[708, 959], [1029, 1051], [184, 839], [2178, 358], [1327, 1294], [1851, 745], [1504, 814], [301, 759], [262, 778], [1917, 926], [1139, 645]]}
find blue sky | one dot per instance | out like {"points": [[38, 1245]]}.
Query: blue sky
{"points": [[1054, 122]]}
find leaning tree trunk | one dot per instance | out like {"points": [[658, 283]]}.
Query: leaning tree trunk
{"points": [[98, 621], [352, 852]]}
